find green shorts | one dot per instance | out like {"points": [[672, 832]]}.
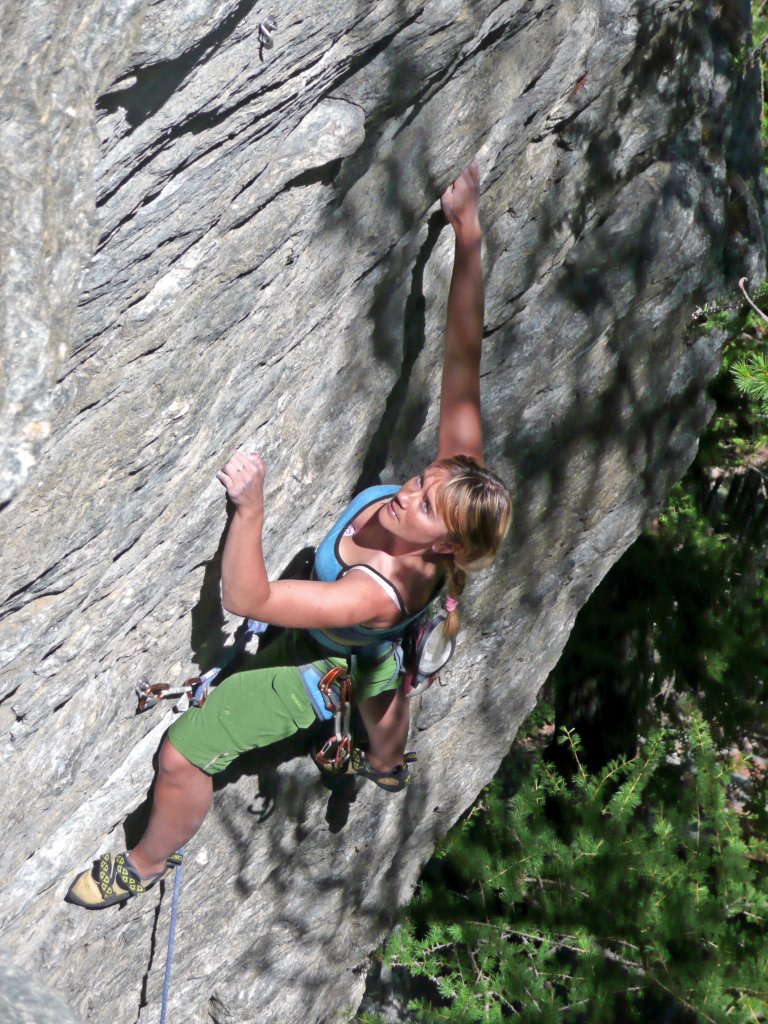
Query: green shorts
{"points": [[264, 704]]}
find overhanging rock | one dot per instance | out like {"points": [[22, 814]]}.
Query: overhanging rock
{"points": [[248, 253]]}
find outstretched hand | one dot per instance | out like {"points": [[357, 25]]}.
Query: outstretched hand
{"points": [[243, 477], [461, 202]]}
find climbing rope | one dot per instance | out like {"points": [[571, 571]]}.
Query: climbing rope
{"points": [[171, 936]]}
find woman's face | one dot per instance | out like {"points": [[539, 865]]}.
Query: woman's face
{"points": [[412, 516]]}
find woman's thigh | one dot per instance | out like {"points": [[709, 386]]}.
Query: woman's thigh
{"points": [[250, 709]]}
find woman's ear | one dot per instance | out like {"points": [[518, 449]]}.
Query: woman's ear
{"points": [[445, 547]]}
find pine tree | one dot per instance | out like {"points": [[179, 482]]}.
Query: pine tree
{"points": [[750, 371], [617, 896], [751, 376]]}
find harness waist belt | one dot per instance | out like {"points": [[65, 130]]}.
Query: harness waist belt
{"points": [[311, 675], [369, 651]]}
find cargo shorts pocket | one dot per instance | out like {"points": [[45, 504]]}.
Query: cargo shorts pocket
{"points": [[258, 712]]}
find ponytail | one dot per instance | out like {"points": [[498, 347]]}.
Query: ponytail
{"points": [[457, 580], [477, 509]]}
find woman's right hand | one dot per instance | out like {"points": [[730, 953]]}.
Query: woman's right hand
{"points": [[243, 477], [461, 202]]}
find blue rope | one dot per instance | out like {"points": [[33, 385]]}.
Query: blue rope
{"points": [[252, 626], [171, 935]]}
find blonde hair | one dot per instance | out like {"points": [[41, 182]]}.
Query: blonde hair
{"points": [[476, 508]]}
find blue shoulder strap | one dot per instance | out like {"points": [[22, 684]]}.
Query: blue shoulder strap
{"points": [[327, 565]]}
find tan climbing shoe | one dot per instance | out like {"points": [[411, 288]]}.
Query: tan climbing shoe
{"points": [[113, 880], [394, 780]]}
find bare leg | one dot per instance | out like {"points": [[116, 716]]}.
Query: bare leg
{"points": [[386, 717], [182, 799]]}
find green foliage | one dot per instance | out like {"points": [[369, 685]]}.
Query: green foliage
{"points": [[715, 316], [683, 615], [739, 427], [639, 892], [745, 353], [760, 49], [751, 376], [543, 714]]}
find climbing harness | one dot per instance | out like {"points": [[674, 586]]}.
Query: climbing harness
{"points": [[424, 652], [198, 687], [420, 657], [172, 935]]}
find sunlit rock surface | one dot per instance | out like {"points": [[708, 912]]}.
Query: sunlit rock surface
{"points": [[210, 244], [25, 999]]}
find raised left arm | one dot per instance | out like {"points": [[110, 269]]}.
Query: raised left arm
{"points": [[461, 431]]}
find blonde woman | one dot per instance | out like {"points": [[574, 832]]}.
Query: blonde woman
{"points": [[386, 558]]}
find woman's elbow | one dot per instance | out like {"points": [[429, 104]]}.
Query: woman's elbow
{"points": [[248, 607], [233, 608]]}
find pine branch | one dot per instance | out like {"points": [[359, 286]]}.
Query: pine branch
{"points": [[608, 954], [758, 51], [650, 759], [581, 1002], [742, 282]]}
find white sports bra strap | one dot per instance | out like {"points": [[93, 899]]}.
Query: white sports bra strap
{"points": [[383, 583]]}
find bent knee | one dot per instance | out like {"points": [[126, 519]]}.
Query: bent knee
{"points": [[171, 762]]}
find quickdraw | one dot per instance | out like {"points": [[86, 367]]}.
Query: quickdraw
{"points": [[197, 688], [336, 690]]}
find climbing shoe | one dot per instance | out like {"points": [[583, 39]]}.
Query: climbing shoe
{"points": [[113, 880], [394, 781], [357, 764]]}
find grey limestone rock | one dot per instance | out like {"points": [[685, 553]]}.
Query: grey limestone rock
{"points": [[227, 245], [25, 999]]}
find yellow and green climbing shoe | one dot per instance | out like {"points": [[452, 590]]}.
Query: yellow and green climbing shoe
{"points": [[113, 880], [394, 781]]}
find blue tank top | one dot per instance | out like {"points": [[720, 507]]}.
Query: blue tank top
{"points": [[329, 567]]}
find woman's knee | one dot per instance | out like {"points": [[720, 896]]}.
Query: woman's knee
{"points": [[173, 764]]}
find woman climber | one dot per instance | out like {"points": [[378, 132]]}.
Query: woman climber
{"points": [[405, 543]]}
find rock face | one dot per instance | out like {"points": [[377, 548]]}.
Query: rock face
{"points": [[213, 243], [24, 999]]}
